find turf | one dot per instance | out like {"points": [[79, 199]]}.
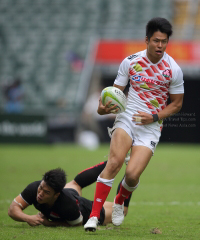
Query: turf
{"points": [[165, 206]]}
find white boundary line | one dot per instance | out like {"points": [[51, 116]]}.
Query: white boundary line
{"points": [[173, 203]]}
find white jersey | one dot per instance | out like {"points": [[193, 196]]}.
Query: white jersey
{"points": [[150, 84]]}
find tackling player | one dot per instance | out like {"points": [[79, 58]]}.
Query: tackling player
{"points": [[154, 76], [60, 204]]}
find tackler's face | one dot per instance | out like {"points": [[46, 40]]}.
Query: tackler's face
{"points": [[156, 46], [46, 194]]}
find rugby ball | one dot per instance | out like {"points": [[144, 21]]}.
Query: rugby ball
{"points": [[116, 96]]}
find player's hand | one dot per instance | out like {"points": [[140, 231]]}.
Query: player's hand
{"points": [[102, 110], [142, 118], [41, 215], [46, 222], [35, 220]]}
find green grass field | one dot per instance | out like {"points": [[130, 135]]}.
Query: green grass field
{"points": [[168, 198]]}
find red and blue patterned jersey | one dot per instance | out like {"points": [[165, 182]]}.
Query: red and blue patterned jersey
{"points": [[150, 84]]}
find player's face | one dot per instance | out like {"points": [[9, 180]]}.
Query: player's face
{"points": [[156, 46], [46, 194]]}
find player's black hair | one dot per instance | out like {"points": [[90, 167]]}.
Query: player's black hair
{"points": [[158, 24], [55, 179]]}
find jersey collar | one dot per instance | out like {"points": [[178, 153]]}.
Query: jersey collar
{"points": [[145, 52]]}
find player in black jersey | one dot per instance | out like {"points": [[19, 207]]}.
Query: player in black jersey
{"points": [[60, 204]]}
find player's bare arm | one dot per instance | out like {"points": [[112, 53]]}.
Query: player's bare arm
{"points": [[15, 211], [174, 107], [120, 87]]}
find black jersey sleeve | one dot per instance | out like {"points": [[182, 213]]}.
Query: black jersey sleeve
{"points": [[69, 206], [30, 192], [73, 214]]}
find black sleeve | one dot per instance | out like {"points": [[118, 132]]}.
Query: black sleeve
{"points": [[30, 192], [71, 212], [69, 207]]}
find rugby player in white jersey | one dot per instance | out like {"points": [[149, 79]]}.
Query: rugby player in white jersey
{"points": [[154, 76]]}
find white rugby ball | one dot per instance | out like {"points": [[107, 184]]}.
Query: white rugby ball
{"points": [[116, 96]]}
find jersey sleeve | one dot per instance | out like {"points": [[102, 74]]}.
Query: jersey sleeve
{"points": [[30, 192], [176, 85], [76, 221], [68, 207], [123, 72], [72, 214]]}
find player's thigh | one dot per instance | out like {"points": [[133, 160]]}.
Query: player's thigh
{"points": [[120, 144], [75, 186], [139, 159]]}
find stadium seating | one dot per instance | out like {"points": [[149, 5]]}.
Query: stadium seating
{"points": [[187, 19], [197, 23], [44, 42]]}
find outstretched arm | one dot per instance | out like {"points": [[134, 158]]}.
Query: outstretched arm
{"points": [[15, 211]]}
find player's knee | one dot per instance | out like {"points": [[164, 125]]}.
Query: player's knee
{"points": [[112, 168], [132, 178], [114, 165]]}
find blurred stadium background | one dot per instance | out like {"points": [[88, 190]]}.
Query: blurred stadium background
{"points": [[55, 55]]}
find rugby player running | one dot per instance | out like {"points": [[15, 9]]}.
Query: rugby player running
{"points": [[154, 76]]}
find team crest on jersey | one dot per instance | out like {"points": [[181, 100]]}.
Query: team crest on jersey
{"points": [[136, 78], [167, 73]]}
